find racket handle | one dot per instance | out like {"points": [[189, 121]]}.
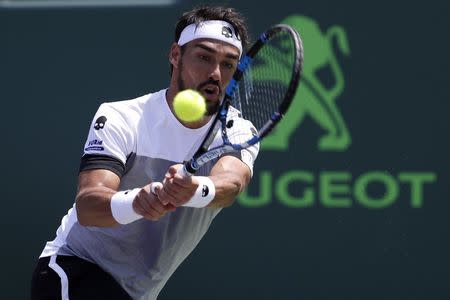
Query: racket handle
{"points": [[183, 172]]}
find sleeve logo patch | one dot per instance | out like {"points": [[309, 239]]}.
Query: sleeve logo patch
{"points": [[95, 145], [100, 123]]}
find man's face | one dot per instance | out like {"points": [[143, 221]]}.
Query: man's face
{"points": [[207, 65]]}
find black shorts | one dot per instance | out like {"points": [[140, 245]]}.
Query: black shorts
{"points": [[70, 277]]}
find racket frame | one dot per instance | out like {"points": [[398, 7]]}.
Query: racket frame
{"points": [[203, 155]]}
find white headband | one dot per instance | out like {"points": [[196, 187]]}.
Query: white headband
{"points": [[211, 29]]}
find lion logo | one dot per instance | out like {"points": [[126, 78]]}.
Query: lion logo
{"points": [[313, 98]]}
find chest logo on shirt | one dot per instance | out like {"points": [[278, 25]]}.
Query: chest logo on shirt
{"points": [[100, 123], [205, 191]]}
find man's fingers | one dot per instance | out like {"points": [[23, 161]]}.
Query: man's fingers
{"points": [[158, 206], [142, 208], [171, 193], [165, 196], [172, 171], [155, 187], [182, 181], [180, 188], [170, 207], [149, 206]]}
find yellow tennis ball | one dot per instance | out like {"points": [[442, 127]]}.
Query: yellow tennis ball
{"points": [[189, 105]]}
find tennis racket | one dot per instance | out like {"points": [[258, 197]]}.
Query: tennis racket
{"points": [[262, 89]]}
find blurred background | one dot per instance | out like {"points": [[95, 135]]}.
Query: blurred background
{"points": [[349, 199]]}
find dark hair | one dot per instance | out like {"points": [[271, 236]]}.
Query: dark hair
{"points": [[205, 13]]}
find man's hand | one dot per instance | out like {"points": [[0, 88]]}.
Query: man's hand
{"points": [[149, 206], [177, 190]]}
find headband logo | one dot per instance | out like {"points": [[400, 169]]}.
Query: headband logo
{"points": [[226, 31]]}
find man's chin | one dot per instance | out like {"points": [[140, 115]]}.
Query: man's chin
{"points": [[212, 108]]}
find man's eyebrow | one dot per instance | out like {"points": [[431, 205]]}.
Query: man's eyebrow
{"points": [[211, 50]]}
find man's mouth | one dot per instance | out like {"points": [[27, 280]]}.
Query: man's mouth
{"points": [[211, 92]]}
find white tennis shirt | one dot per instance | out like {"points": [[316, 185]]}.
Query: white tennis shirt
{"points": [[140, 139]]}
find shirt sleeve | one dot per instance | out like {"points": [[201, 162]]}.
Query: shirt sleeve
{"points": [[110, 140], [240, 132]]}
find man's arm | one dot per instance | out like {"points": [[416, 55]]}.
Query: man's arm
{"points": [[229, 175], [93, 201]]}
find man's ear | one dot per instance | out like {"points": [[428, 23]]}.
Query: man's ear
{"points": [[175, 55]]}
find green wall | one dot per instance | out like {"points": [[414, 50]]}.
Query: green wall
{"points": [[352, 204]]}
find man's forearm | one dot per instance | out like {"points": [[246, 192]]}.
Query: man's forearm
{"points": [[228, 186], [230, 177], [94, 207]]}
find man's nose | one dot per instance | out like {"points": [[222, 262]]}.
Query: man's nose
{"points": [[215, 73]]}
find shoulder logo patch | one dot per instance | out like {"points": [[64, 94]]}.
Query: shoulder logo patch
{"points": [[100, 123]]}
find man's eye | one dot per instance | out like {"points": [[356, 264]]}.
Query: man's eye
{"points": [[229, 66], [204, 57]]}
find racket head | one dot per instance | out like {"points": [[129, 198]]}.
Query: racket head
{"points": [[261, 90], [268, 76]]}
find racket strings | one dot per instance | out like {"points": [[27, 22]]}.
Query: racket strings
{"points": [[264, 85]]}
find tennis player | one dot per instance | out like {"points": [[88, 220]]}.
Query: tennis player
{"points": [[135, 219]]}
